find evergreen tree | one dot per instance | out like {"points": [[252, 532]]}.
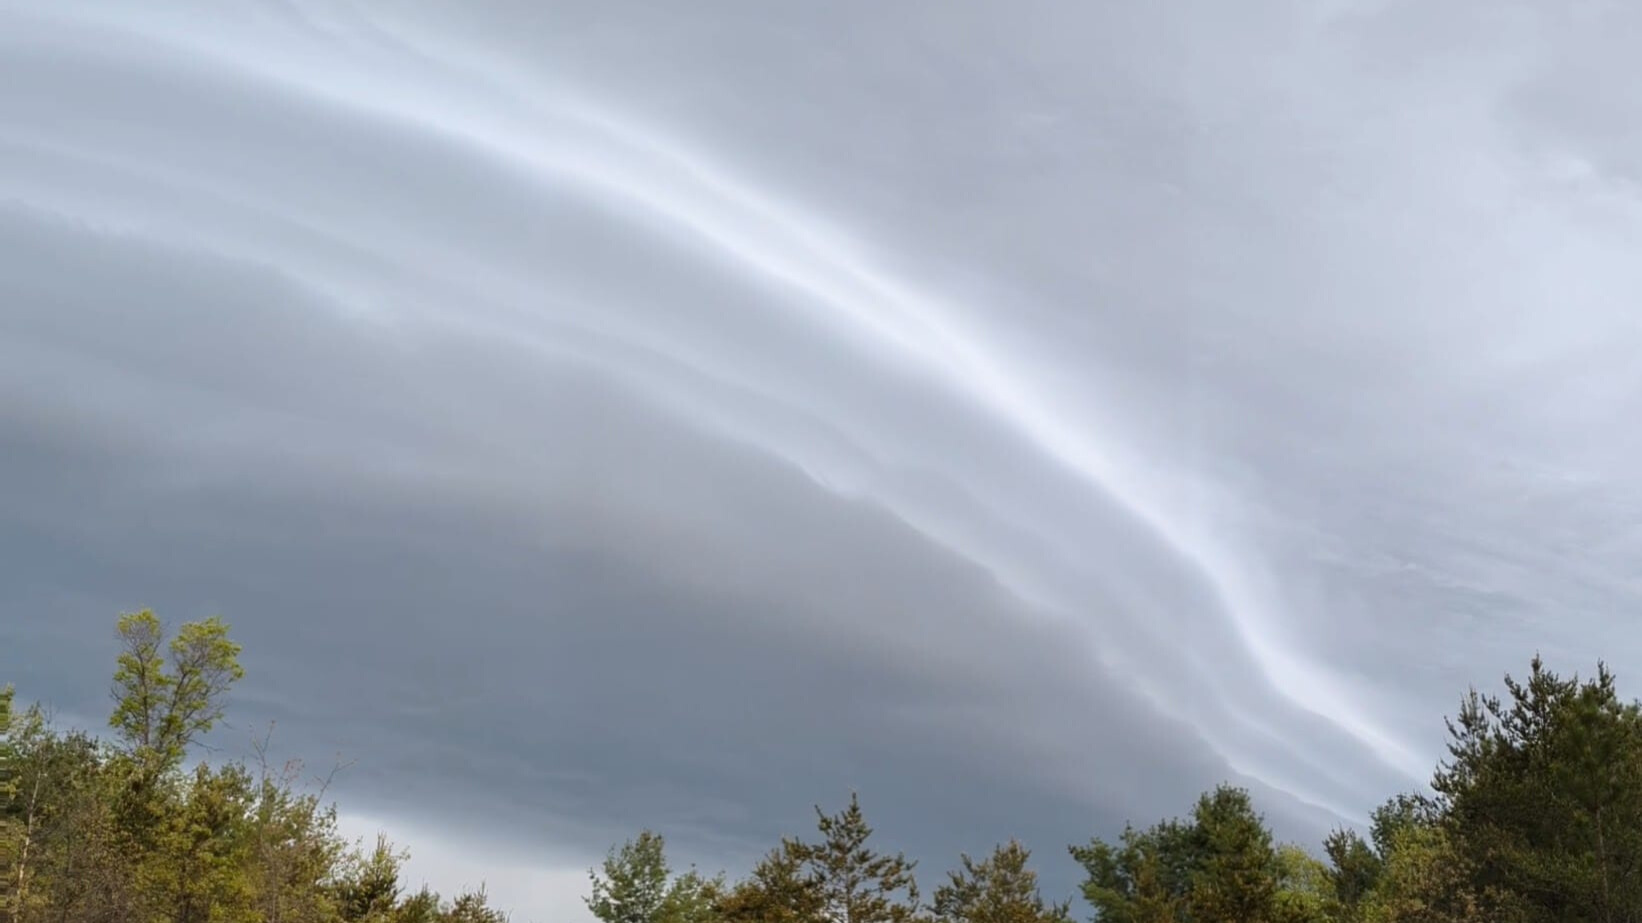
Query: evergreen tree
{"points": [[1355, 868], [1542, 796], [369, 890], [1146, 877], [421, 907], [855, 883], [1234, 881], [472, 907], [999, 889], [777, 891], [1536, 817]]}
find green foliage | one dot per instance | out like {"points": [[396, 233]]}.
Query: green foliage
{"points": [[7, 751], [1145, 877], [8, 776], [638, 886], [1219, 867], [421, 907], [1355, 868], [294, 845], [999, 889], [164, 702], [1542, 796], [1234, 880], [1305, 888], [93, 833], [1401, 812], [777, 891], [1424, 879], [60, 832], [472, 907], [855, 883], [369, 889], [1536, 816], [838, 879]]}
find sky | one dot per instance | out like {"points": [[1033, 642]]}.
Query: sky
{"points": [[603, 415]]}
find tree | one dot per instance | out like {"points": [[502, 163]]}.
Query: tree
{"points": [[777, 891], [425, 907], [1234, 881], [101, 832], [421, 907], [1305, 889], [638, 886], [1425, 879], [369, 889], [68, 858], [1219, 867], [472, 907], [999, 889], [1535, 816], [634, 884], [163, 703], [8, 751], [692, 898], [1145, 877], [1542, 797], [12, 837], [294, 843], [196, 870], [1354, 868], [15, 814], [1400, 813], [855, 883]]}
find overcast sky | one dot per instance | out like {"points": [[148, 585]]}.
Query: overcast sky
{"points": [[597, 415]]}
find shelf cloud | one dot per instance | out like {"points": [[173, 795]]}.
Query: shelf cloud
{"points": [[603, 415]]}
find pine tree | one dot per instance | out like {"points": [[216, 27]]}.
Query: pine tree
{"points": [[1145, 877], [1542, 796], [777, 891], [999, 889], [1233, 882], [472, 907], [369, 889], [854, 882]]}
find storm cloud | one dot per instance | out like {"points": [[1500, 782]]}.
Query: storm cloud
{"points": [[600, 415]]}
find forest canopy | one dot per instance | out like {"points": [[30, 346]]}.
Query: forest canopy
{"points": [[1534, 816]]}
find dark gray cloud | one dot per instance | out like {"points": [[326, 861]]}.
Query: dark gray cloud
{"points": [[594, 415], [618, 622]]}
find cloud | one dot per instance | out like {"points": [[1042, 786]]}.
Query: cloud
{"points": [[706, 645], [595, 416], [512, 877]]}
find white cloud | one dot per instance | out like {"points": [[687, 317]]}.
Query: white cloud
{"points": [[531, 886]]}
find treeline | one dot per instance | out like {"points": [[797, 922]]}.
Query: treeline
{"points": [[1535, 816], [117, 830]]}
